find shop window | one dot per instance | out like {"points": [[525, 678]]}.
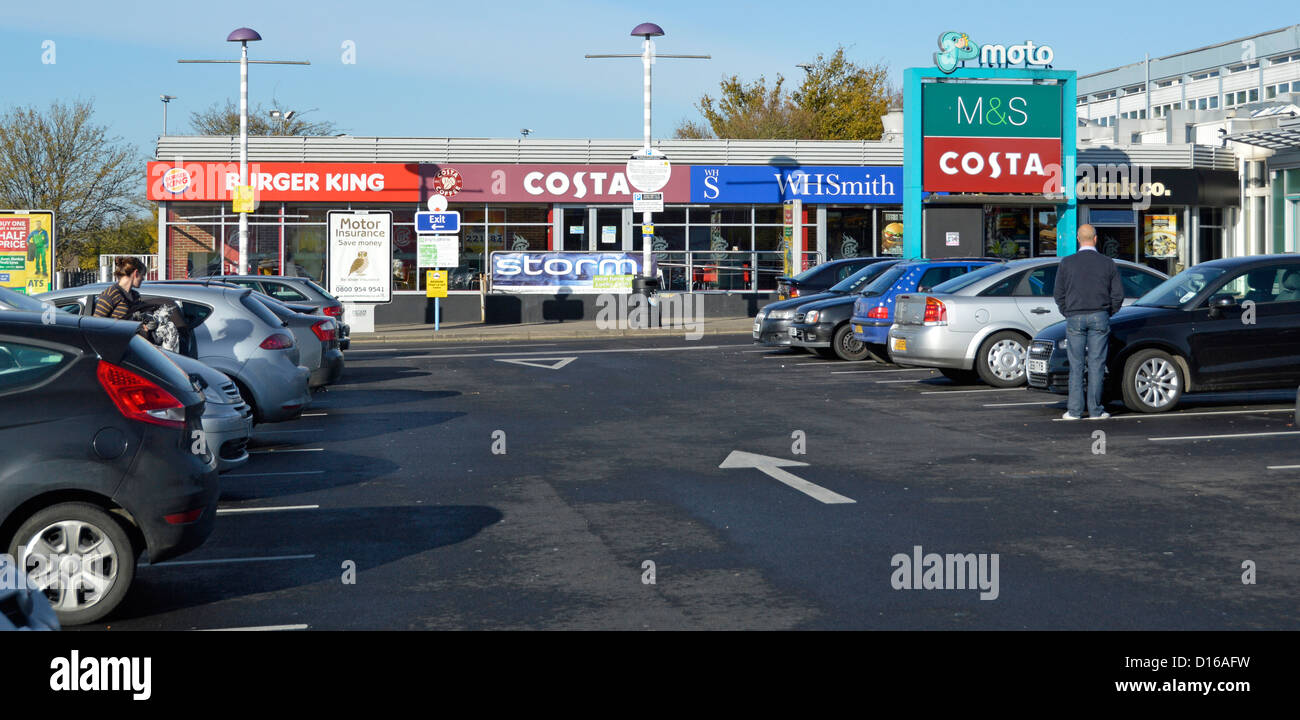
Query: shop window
{"points": [[890, 233], [670, 216], [848, 233], [722, 215], [1044, 232], [1162, 238], [1007, 232]]}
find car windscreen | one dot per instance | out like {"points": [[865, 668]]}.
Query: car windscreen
{"points": [[255, 306], [970, 278], [855, 281], [1180, 288], [884, 281]]}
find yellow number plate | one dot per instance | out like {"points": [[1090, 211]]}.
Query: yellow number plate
{"points": [[900, 344]]}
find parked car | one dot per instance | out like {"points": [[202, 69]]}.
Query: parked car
{"points": [[822, 325], [819, 277], [227, 420], [294, 290], [99, 462], [1230, 324], [873, 313], [772, 324], [978, 326], [316, 337], [228, 329]]}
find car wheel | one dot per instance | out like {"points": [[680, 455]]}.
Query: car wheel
{"points": [[827, 353], [1000, 361], [961, 377], [1153, 381], [79, 556], [846, 346], [248, 398]]}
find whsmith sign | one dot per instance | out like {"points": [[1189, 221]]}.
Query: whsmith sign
{"points": [[991, 138], [765, 184]]}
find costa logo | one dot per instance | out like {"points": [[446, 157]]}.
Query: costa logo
{"points": [[176, 180], [448, 182], [559, 183]]}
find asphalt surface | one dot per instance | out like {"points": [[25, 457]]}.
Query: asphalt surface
{"points": [[612, 460]]}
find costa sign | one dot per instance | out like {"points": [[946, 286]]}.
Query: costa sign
{"points": [[547, 183], [276, 182], [992, 138]]}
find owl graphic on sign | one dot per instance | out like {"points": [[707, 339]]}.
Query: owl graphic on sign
{"points": [[360, 264]]}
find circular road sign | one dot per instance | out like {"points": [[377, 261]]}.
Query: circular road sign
{"points": [[437, 203], [648, 174]]}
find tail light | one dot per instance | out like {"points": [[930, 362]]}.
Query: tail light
{"points": [[794, 292], [139, 398], [184, 518], [321, 332], [334, 311], [277, 341], [879, 312], [936, 313]]}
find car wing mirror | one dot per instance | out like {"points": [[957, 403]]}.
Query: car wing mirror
{"points": [[1219, 303]]}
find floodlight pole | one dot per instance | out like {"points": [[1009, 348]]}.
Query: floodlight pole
{"points": [[243, 36], [647, 31]]}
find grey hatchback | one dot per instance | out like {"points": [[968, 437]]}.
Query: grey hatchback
{"points": [[294, 290], [231, 331]]}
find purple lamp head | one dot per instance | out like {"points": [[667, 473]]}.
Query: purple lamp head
{"points": [[647, 30], [243, 34]]}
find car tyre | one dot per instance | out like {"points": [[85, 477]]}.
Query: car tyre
{"points": [[1000, 361], [827, 353], [961, 377], [846, 346], [1153, 382], [252, 402], [101, 551]]}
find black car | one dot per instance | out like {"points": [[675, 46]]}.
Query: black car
{"points": [[1230, 324], [101, 461], [772, 324], [822, 325], [821, 277]]}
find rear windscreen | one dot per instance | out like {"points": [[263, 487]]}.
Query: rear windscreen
{"points": [[263, 313], [319, 289]]}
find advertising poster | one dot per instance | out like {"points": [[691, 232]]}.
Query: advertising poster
{"points": [[360, 256], [1160, 236], [891, 234], [438, 251], [27, 251], [555, 273]]}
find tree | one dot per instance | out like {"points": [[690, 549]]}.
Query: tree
{"points": [[222, 119], [131, 235], [838, 100], [60, 160]]}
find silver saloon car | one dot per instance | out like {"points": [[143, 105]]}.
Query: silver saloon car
{"points": [[978, 326], [231, 331]]}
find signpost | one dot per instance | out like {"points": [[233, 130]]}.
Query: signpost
{"points": [[435, 286], [360, 255], [241, 199], [648, 202], [437, 251], [437, 245], [437, 222]]}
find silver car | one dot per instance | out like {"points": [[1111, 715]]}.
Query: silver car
{"points": [[316, 336], [978, 326], [228, 330], [294, 290], [227, 419]]}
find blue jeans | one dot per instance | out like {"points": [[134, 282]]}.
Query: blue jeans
{"points": [[1087, 332]]}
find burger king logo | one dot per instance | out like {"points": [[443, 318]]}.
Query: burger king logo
{"points": [[176, 180]]}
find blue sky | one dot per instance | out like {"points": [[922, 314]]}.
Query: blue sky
{"points": [[488, 69]]}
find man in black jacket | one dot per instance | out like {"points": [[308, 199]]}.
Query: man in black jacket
{"points": [[1088, 291]]}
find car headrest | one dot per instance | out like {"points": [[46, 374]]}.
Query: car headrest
{"points": [[1291, 281]]}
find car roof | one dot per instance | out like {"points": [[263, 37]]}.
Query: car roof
{"points": [[1250, 260]]}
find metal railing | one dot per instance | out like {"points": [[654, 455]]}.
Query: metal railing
{"points": [[724, 270]]}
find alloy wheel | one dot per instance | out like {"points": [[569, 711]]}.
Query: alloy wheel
{"points": [[1156, 382]]}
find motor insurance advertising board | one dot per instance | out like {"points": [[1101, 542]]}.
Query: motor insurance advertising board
{"points": [[991, 138], [360, 256]]}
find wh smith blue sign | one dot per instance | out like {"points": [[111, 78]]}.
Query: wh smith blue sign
{"points": [[562, 272], [819, 184]]}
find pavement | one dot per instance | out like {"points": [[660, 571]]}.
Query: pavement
{"points": [[554, 330]]}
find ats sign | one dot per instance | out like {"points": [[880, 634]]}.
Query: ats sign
{"points": [[994, 138]]}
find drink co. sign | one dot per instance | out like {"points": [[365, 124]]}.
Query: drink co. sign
{"points": [[993, 138]]}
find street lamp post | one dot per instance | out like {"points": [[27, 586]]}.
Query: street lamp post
{"points": [[243, 36], [166, 99], [646, 31]]}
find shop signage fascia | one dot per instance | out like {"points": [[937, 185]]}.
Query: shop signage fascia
{"points": [[913, 134]]}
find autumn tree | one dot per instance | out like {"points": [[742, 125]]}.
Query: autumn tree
{"points": [[223, 119], [58, 159], [838, 100]]}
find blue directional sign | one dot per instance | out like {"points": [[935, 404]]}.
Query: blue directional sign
{"points": [[437, 222]]}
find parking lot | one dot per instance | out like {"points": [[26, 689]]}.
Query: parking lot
{"points": [[578, 485]]}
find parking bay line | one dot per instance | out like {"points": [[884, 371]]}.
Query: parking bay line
{"points": [[849, 372], [314, 414], [458, 347], [955, 392], [1153, 416], [215, 561], [284, 450], [281, 508], [257, 628], [567, 352], [1037, 402], [1224, 437], [269, 474]]}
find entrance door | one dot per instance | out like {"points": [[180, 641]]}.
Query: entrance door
{"points": [[575, 229], [609, 235]]}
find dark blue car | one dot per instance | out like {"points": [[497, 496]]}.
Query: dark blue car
{"points": [[873, 313]]}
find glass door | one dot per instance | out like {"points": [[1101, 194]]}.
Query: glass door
{"points": [[608, 229], [575, 229]]}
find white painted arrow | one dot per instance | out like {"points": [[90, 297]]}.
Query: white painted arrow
{"points": [[555, 363], [771, 466]]}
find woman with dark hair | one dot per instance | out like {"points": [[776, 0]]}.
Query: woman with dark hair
{"points": [[120, 299]]}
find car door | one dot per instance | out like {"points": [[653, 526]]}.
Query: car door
{"points": [[1255, 343], [1034, 297]]}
